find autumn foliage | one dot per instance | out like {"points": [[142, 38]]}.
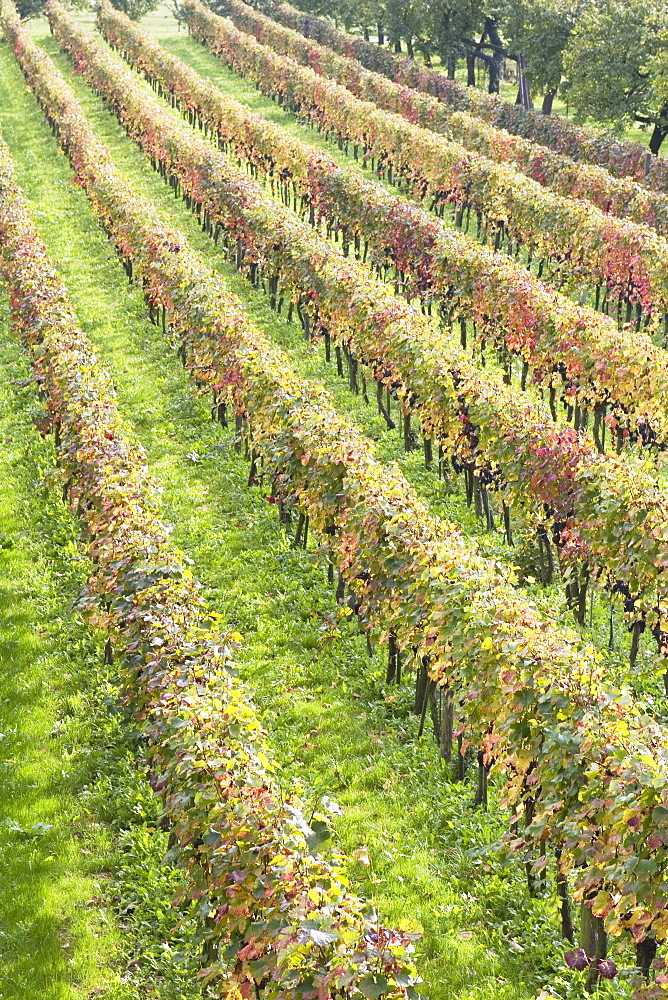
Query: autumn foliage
{"points": [[287, 917], [597, 367], [583, 243], [590, 762], [596, 503], [585, 768], [621, 158]]}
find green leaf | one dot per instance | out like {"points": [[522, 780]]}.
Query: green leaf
{"points": [[373, 986]]}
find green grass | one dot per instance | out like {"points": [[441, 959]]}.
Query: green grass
{"points": [[448, 502], [75, 808], [332, 721], [48, 939], [566, 281], [508, 92], [444, 499]]}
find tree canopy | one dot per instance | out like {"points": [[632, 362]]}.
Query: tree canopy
{"points": [[609, 58], [616, 65], [135, 9]]}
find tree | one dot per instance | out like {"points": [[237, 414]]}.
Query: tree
{"points": [[483, 18], [349, 13], [135, 9], [452, 26], [616, 64], [491, 50], [30, 8], [537, 31], [407, 20]]}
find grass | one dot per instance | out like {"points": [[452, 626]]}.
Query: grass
{"points": [[334, 724], [74, 805], [580, 289], [508, 93], [48, 939], [211, 68], [444, 499]]}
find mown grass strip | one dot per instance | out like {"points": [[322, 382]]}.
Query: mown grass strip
{"points": [[46, 933], [598, 616], [446, 499], [77, 843], [253, 572]]}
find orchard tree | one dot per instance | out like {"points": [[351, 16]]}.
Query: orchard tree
{"points": [[536, 33], [135, 9], [616, 65], [408, 20], [457, 28], [490, 49], [30, 8], [35, 8], [347, 13]]}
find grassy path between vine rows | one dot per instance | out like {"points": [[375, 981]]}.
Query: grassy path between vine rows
{"points": [[77, 819], [333, 723], [447, 500], [180, 43], [43, 874], [210, 66], [310, 363], [215, 71]]}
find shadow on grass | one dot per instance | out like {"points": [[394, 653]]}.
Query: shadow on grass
{"points": [[34, 849]]}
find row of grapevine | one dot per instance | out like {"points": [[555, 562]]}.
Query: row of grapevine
{"points": [[579, 753], [599, 366], [608, 515], [584, 243], [248, 853], [622, 197], [596, 504], [621, 157]]}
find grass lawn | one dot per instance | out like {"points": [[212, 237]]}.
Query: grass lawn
{"points": [[81, 872], [335, 725]]}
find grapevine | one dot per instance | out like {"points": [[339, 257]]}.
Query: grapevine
{"points": [[583, 243], [622, 197], [248, 853], [607, 514], [622, 158], [585, 768], [601, 368]]}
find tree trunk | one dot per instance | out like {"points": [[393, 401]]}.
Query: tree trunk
{"points": [[470, 70], [397, 46], [381, 34], [523, 87], [494, 77], [481, 793], [452, 67], [548, 101], [495, 61], [421, 685], [409, 47], [658, 135]]}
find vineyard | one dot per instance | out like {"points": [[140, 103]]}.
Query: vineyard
{"points": [[334, 541]]}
